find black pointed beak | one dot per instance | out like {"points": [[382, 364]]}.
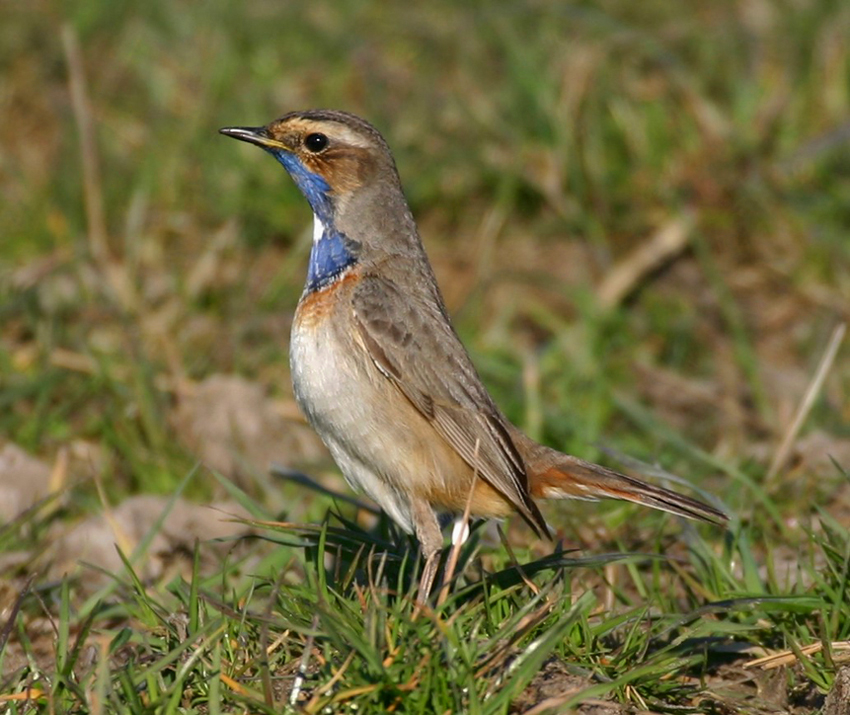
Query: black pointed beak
{"points": [[254, 135]]}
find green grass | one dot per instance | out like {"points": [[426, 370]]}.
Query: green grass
{"points": [[349, 633], [539, 147]]}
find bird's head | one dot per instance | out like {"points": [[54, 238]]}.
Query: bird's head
{"points": [[330, 155]]}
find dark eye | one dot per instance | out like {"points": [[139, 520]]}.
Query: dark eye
{"points": [[316, 142]]}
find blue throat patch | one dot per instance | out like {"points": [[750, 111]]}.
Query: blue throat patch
{"points": [[331, 256], [314, 187], [334, 252]]}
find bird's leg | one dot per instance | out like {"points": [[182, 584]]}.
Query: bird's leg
{"points": [[429, 572], [430, 542]]}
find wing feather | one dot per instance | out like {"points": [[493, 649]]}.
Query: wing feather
{"points": [[411, 342]]}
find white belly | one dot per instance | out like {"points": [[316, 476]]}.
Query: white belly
{"points": [[331, 379]]}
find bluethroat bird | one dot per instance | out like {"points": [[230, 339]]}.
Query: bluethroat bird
{"points": [[378, 369]]}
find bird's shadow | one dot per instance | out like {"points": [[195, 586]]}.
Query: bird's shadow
{"points": [[384, 560]]}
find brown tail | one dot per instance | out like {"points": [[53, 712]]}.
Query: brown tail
{"points": [[553, 475]]}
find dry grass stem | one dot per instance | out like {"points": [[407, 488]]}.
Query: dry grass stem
{"points": [[789, 657], [457, 544], [627, 275], [806, 404]]}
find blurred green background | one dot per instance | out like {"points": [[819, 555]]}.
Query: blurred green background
{"points": [[541, 145], [639, 214]]}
